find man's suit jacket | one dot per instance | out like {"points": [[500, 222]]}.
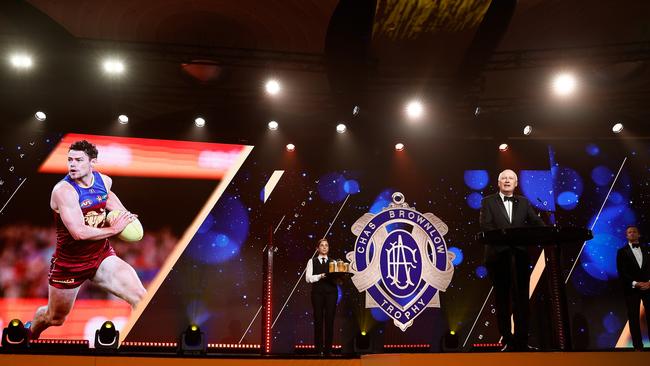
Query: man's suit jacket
{"points": [[628, 268], [494, 216]]}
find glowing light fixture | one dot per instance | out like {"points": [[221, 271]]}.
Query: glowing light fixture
{"points": [[113, 66], [21, 61], [528, 130], [414, 109], [41, 116], [564, 84], [272, 87]]}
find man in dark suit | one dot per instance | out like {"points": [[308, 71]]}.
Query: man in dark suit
{"points": [[505, 210], [633, 266], [324, 294]]}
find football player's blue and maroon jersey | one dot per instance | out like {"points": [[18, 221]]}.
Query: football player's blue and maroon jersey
{"points": [[75, 261]]}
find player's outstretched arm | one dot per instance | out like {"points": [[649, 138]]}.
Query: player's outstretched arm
{"points": [[65, 200]]}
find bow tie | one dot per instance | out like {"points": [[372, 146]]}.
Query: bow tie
{"points": [[636, 245], [506, 199]]}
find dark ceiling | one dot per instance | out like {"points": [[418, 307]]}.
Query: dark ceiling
{"points": [[211, 58]]}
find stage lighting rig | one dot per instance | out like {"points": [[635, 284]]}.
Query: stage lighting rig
{"points": [[449, 342], [15, 335], [107, 337], [192, 341]]}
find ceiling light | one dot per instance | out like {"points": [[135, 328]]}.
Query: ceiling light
{"points": [[113, 66], [272, 87], [564, 84], [528, 130], [414, 109], [21, 60]]}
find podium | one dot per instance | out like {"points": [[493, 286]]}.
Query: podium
{"points": [[551, 238]]}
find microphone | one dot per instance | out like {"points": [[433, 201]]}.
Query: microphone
{"points": [[548, 214]]}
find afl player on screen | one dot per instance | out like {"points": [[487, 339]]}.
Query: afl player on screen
{"points": [[80, 202]]}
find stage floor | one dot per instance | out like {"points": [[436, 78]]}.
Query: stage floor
{"points": [[401, 359]]}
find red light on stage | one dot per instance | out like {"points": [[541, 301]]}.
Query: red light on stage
{"points": [[267, 299]]}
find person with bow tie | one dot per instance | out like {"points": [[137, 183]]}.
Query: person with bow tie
{"points": [[633, 266], [504, 210], [323, 298]]}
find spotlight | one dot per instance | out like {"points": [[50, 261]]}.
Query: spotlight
{"points": [[193, 341], [450, 341], [291, 147], [199, 122], [272, 87], [21, 61], [273, 125], [123, 119], [617, 128], [399, 146], [113, 66], [528, 130], [41, 116], [15, 335], [414, 109], [341, 128], [356, 110], [106, 337], [564, 84], [503, 147], [477, 111], [362, 343]]}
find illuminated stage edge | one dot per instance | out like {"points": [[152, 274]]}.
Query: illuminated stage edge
{"points": [[456, 359]]}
